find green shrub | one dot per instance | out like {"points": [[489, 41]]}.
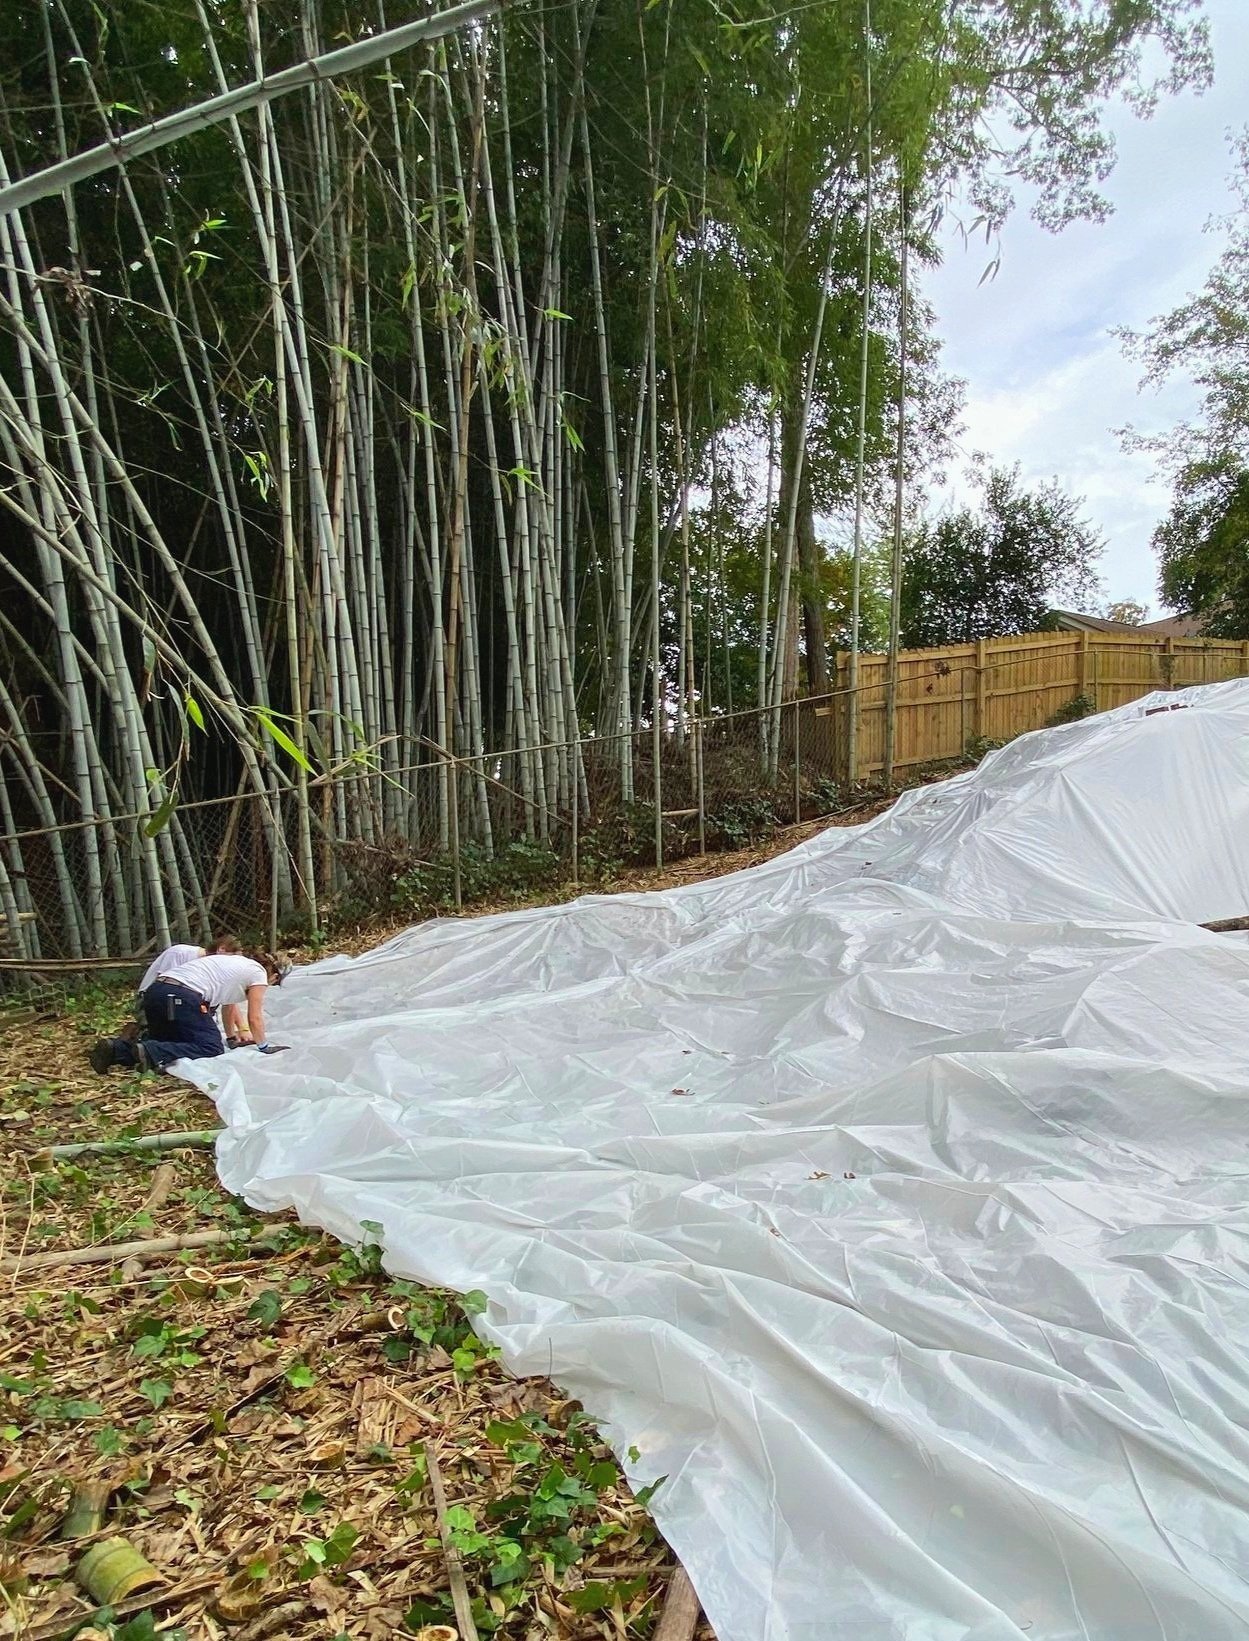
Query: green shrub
{"points": [[624, 837], [742, 821], [1079, 706], [513, 871], [824, 795]]}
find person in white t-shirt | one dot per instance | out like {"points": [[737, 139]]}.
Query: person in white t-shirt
{"points": [[171, 958], [181, 1007]]}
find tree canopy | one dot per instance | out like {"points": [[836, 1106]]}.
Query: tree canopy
{"points": [[1203, 543], [995, 570]]}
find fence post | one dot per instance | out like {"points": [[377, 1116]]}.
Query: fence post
{"points": [[852, 707], [797, 760], [1168, 663], [658, 784], [982, 688], [702, 788], [274, 836], [1082, 687], [1244, 659], [454, 782], [576, 813]]}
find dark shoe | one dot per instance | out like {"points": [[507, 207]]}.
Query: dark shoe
{"points": [[103, 1057]]}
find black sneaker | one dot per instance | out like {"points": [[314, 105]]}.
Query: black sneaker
{"points": [[102, 1058]]}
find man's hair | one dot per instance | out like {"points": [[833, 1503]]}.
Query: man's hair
{"points": [[225, 945]]}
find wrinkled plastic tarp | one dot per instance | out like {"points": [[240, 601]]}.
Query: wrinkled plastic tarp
{"points": [[890, 1198]]}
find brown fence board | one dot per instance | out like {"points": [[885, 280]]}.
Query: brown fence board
{"points": [[1002, 687]]}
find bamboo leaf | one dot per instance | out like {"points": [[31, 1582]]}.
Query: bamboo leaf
{"points": [[160, 820], [194, 712], [278, 734]]}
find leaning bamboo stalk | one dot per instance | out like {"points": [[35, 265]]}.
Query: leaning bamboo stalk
{"points": [[895, 575], [460, 1600], [52, 179], [856, 569]]}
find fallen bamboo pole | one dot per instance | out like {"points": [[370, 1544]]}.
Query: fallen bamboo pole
{"points": [[195, 1139], [185, 122], [113, 1252]]}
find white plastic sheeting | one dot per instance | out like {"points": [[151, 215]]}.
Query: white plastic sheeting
{"points": [[892, 1197]]}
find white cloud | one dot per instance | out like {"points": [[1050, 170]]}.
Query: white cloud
{"points": [[1047, 382]]}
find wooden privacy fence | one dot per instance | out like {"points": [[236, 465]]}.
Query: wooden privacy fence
{"points": [[1000, 687]]}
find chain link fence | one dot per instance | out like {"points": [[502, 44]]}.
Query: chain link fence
{"points": [[415, 831], [402, 838]]}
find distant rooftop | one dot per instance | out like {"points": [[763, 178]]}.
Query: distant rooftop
{"points": [[1169, 626]]}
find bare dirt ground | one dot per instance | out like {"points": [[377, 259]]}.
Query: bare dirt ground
{"points": [[236, 1439]]}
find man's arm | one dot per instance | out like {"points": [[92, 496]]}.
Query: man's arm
{"points": [[234, 1022], [256, 1012]]}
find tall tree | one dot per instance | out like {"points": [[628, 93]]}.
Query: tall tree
{"points": [[1203, 543], [996, 570]]}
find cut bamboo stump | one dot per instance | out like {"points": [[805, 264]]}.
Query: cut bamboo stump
{"points": [[162, 1185], [681, 1612]]}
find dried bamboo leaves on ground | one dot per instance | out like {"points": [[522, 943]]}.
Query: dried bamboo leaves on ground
{"points": [[238, 1446], [234, 1440]]}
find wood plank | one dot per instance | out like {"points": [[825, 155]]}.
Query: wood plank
{"points": [[681, 1610]]}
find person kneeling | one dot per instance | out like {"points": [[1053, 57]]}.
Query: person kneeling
{"points": [[181, 1006], [173, 957]]}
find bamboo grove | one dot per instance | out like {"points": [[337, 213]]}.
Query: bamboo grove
{"points": [[473, 409]]}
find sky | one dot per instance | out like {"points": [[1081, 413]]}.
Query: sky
{"points": [[1047, 382]]}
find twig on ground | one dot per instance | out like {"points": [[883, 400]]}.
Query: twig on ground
{"points": [[460, 1599]]}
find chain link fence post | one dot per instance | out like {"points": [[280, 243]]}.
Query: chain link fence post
{"points": [[657, 783], [453, 771], [797, 760], [577, 764], [702, 786]]}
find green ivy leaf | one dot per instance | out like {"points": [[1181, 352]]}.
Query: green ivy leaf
{"points": [[75, 1409], [157, 1391], [266, 1308]]}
